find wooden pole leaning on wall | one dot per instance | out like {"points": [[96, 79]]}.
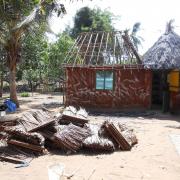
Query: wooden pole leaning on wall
{"points": [[127, 40]]}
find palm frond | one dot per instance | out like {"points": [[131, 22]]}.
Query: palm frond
{"points": [[169, 26]]}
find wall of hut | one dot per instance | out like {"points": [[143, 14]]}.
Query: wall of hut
{"points": [[132, 88], [175, 101]]}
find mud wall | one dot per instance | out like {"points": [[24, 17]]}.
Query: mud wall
{"points": [[175, 101], [132, 88]]}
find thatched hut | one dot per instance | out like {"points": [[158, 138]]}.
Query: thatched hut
{"points": [[163, 58], [165, 53]]}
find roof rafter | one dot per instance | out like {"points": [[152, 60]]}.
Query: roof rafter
{"points": [[103, 48]]}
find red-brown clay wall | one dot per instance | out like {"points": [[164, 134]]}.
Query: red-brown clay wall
{"points": [[132, 88], [175, 101]]}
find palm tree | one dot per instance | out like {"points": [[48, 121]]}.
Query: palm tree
{"points": [[137, 40], [17, 17]]}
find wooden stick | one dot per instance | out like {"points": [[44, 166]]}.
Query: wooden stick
{"points": [[114, 50], [11, 159], [27, 145], [79, 48], [73, 50], [87, 48], [93, 49], [100, 48], [70, 50]]}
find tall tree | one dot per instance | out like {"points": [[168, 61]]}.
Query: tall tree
{"points": [[16, 17], [87, 19]]}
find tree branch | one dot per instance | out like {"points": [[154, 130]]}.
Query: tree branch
{"points": [[27, 20]]}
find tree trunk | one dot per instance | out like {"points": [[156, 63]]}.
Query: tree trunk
{"points": [[12, 84], [1, 84], [13, 55]]}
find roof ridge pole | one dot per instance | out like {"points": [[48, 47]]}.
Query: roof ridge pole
{"points": [[100, 48], [74, 48], [93, 48], [107, 38], [70, 49], [79, 49], [87, 46]]}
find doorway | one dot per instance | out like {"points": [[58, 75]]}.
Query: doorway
{"points": [[160, 91], [157, 87]]}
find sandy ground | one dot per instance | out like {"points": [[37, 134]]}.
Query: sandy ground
{"points": [[154, 158]]}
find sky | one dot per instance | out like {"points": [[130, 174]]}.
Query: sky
{"points": [[152, 14]]}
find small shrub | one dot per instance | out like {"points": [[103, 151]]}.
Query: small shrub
{"points": [[24, 94]]}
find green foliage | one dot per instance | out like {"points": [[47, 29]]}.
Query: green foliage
{"points": [[87, 19], [17, 18], [102, 20], [34, 55], [21, 8], [41, 61], [56, 56], [33, 47], [24, 94]]}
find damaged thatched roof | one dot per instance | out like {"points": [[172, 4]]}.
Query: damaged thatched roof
{"points": [[103, 48], [165, 53]]}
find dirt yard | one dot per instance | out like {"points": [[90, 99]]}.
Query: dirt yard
{"points": [[154, 157]]}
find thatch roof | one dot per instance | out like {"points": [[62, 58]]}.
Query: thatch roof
{"points": [[102, 48], [165, 53]]}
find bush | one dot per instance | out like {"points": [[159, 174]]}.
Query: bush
{"points": [[25, 94]]}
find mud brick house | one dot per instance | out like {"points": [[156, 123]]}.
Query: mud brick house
{"points": [[107, 87], [104, 70]]}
